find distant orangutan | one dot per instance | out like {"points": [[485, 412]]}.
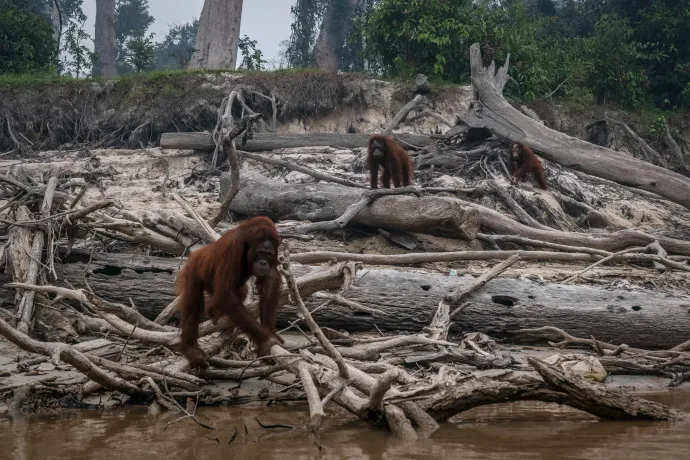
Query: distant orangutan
{"points": [[523, 161], [396, 163]]}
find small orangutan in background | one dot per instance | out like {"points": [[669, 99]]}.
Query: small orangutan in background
{"points": [[396, 163], [523, 161], [222, 269]]}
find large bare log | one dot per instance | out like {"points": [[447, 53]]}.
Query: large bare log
{"points": [[323, 202], [268, 141], [147, 282], [492, 111], [642, 319], [444, 216]]}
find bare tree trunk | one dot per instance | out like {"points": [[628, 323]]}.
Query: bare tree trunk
{"points": [[218, 36], [335, 27], [105, 43], [57, 24]]}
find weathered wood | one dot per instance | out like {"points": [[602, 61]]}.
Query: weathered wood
{"points": [[642, 319], [268, 141], [492, 111], [148, 281], [323, 202], [444, 216]]}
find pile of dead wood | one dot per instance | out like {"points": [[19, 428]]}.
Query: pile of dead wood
{"points": [[131, 296], [369, 377]]}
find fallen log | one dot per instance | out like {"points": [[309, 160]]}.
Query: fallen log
{"points": [[492, 111], [501, 224], [261, 142], [323, 202], [444, 216], [642, 319]]}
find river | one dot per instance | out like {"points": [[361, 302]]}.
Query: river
{"points": [[510, 431]]}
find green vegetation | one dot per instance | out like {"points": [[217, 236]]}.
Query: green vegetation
{"points": [[26, 38], [630, 52], [252, 57]]}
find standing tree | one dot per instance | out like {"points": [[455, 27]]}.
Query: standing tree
{"points": [[219, 35], [338, 46], [252, 57], [140, 52], [132, 20], [26, 38], [175, 51], [56, 19], [105, 43], [335, 27]]}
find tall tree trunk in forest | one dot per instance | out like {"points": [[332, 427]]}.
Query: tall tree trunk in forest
{"points": [[55, 19], [105, 42], [336, 26], [218, 36]]}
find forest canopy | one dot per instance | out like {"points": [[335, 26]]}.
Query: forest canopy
{"points": [[625, 51], [629, 52]]}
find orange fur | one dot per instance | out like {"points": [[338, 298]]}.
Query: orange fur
{"points": [[397, 164], [222, 269], [527, 162]]}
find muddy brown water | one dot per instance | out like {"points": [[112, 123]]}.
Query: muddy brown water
{"points": [[510, 431]]}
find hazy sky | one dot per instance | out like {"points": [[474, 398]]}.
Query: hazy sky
{"points": [[266, 21]]}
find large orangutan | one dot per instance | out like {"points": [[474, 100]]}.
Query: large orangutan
{"points": [[396, 163], [523, 161], [222, 270]]}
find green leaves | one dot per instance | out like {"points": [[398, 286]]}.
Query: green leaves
{"points": [[26, 39]]}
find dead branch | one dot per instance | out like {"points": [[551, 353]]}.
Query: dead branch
{"points": [[229, 150], [430, 257], [674, 147], [295, 167], [206, 230], [382, 385], [647, 151], [367, 198], [71, 356], [436, 116], [513, 206], [438, 328], [316, 413], [25, 310], [567, 339], [537, 243], [601, 401], [302, 309], [400, 116], [599, 262]]}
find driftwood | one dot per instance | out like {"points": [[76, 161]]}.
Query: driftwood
{"points": [[409, 301], [265, 141], [444, 216], [325, 202], [494, 221], [492, 111], [400, 116], [25, 310], [295, 167]]}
